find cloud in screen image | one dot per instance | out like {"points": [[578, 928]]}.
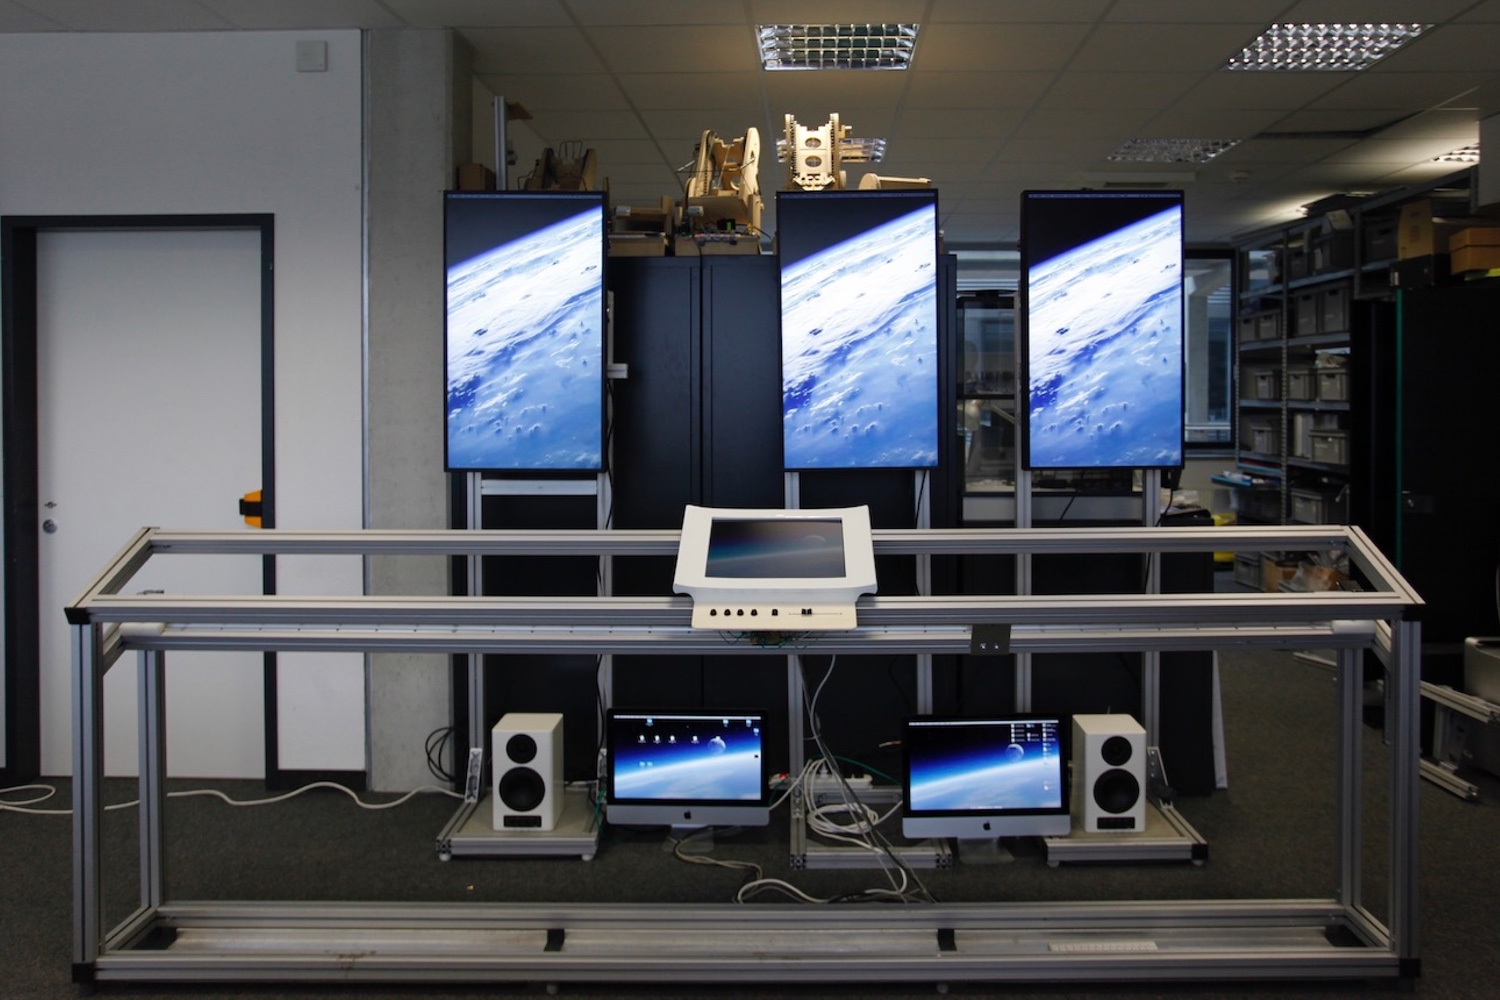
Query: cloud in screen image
{"points": [[1104, 340], [1012, 777], [525, 332], [859, 350]]}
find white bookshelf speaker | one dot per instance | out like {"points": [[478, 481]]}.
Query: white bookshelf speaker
{"points": [[526, 784], [1109, 774]]}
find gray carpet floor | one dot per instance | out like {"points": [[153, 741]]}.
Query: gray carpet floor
{"points": [[1271, 835]]}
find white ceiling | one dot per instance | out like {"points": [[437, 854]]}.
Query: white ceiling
{"points": [[1003, 95]]}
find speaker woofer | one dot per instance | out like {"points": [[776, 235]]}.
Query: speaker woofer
{"points": [[522, 789], [1117, 791]]}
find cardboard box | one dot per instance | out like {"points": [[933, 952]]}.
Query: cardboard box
{"points": [[1474, 258], [1421, 234], [637, 245], [1275, 572], [475, 177], [1474, 236]]}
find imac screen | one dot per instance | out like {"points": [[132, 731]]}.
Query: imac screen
{"points": [[752, 549], [859, 337], [678, 767], [524, 330], [1102, 329], [985, 777]]}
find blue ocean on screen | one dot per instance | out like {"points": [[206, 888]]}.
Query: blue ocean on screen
{"points": [[524, 350], [859, 350], [1105, 350]]}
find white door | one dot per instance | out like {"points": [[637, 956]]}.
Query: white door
{"points": [[148, 379]]}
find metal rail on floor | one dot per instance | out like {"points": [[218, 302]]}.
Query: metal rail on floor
{"points": [[169, 940]]}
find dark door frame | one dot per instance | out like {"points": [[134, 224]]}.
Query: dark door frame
{"points": [[18, 365]]}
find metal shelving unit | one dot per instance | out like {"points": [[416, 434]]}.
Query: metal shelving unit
{"points": [[1327, 936]]}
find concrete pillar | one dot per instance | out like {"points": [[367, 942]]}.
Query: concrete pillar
{"points": [[418, 123]]}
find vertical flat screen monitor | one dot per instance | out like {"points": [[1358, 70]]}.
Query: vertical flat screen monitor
{"points": [[859, 336], [797, 570], [978, 778], [1102, 329], [701, 767], [524, 330]]}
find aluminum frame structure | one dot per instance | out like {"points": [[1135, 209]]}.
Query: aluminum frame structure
{"points": [[1328, 937]]}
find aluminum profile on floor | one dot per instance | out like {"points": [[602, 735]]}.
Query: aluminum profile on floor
{"points": [[168, 940]]}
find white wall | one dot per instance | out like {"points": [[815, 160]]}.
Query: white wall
{"points": [[215, 123]]}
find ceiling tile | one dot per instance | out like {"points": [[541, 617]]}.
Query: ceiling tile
{"points": [[1190, 11], [480, 13], [142, 15], [941, 124], [832, 90], [684, 91], [659, 12], [1378, 88], [833, 11], [993, 47], [17, 19], [1285, 91], [724, 122], [1230, 124], [1087, 89], [544, 51], [588, 91], [941, 89], [1109, 125], [1019, 11], [1148, 47], [1377, 11], [284, 14], [586, 126], [1453, 47], [684, 49]]}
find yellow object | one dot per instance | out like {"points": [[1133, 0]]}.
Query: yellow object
{"points": [[1225, 518], [251, 507]]}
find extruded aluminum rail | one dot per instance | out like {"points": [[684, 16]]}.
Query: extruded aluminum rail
{"points": [[406, 942]]}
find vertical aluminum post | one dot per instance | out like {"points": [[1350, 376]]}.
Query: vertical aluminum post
{"points": [[795, 708], [1023, 587], [1350, 777], [151, 677], [88, 773], [924, 588], [1404, 690], [474, 482], [1151, 658]]}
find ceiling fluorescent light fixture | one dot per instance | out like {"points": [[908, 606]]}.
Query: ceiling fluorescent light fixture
{"points": [[1339, 47], [1466, 154], [836, 46], [1170, 150]]}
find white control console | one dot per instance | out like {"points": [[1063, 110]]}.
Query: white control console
{"points": [[775, 570]]}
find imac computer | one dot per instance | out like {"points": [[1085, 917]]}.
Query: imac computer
{"points": [[686, 768], [982, 778], [775, 570]]}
